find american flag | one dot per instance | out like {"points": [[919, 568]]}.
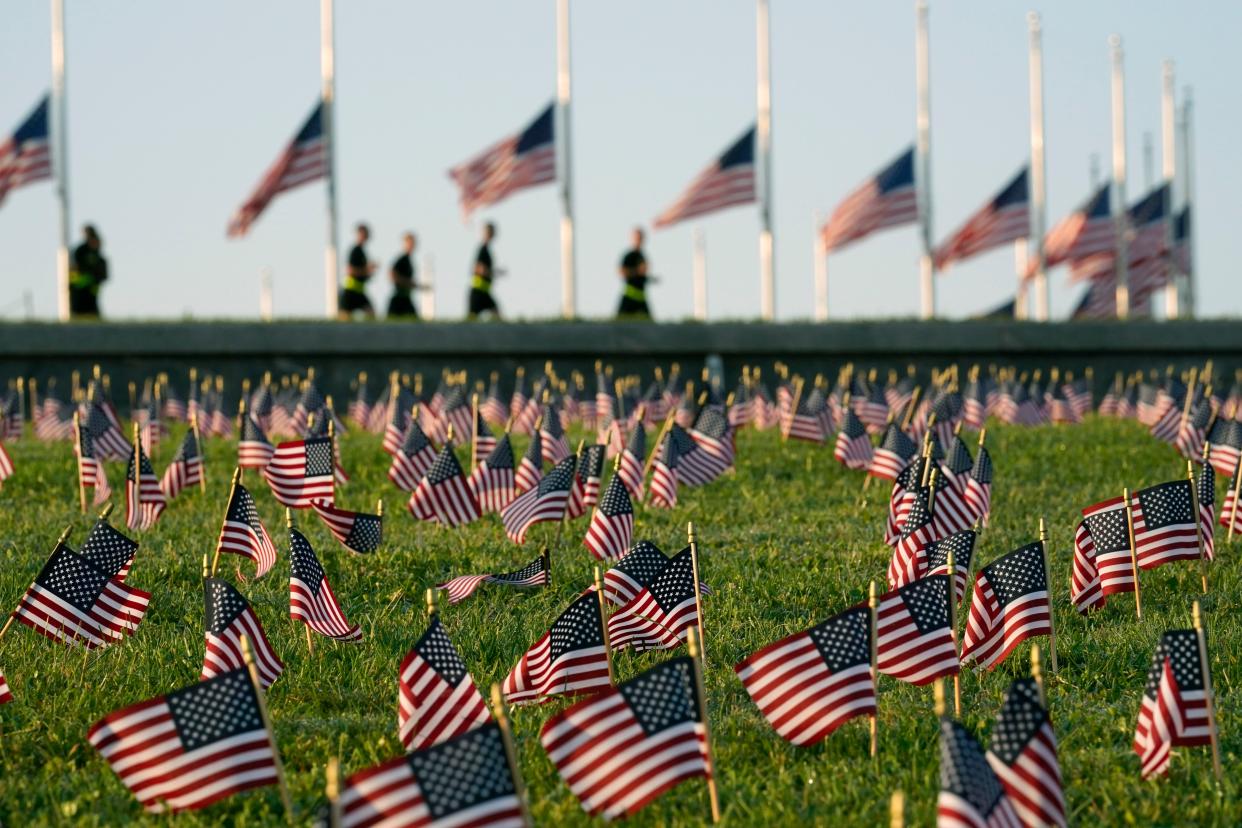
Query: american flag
{"points": [[585, 492], [254, 450], [914, 642], [6, 465], [978, 489], [1164, 524], [1193, 430], [26, 157], [809, 684], [918, 530], [310, 404], [530, 469], [144, 500], [305, 159], [242, 533], [933, 559], [1174, 707], [545, 502], [443, 495], [1229, 511], [631, 465], [493, 408], [713, 434], [1023, 754], [492, 480], [893, 454], [73, 600], [6, 695], [302, 472], [853, 448], [1010, 604], [186, 468], [105, 432], [412, 457], [311, 599], [661, 614], [1088, 231], [359, 409], [191, 747], [569, 659], [533, 574], [1005, 218], [727, 181], [970, 793], [437, 699], [359, 532], [517, 402], [466, 780], [455, 411], [664, 475], [612, 524], [110, 550], [552, 434], [804, 422], [229, 617], [634, 572], [1102, 560], [526, 159], [694, 466], [484, 440], [957, 461], [398, 419], [887, 199], [622, 748]]}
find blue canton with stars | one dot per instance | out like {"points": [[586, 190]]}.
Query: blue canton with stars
{"points": [[1018, 573], [1166, 505], [663, 696], [1020, 718], [463, 772], [304, 565], [107, 548], [436, 649], [319, 457], [72, 578], [964, 771], [927, 600], [215, 709], [844, 640], [223, 604], [579, 627]]}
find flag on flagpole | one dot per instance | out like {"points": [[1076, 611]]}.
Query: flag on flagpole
{"points": [[462, 587], [887, 199], [526, 159], [304, 160], [1005, 218], [311, 599], [26, 157], [1023, 754], [1174, 707], [569, 659], [229, 617], [437, 698], [727, 181], [144, 500]]}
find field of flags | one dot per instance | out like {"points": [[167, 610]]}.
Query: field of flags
{"points": [[670, 596]]}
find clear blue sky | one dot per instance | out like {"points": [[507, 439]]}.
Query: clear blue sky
{"points": [[176, 110]]}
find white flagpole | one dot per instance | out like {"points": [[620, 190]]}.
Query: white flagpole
{"points": [[60, 156], [700, 274], [428, 297], [1021, 297], [327, 64], [1120, 217], [1039, 217], [1168, 170], [820, 259], [927, 272], [1188, 200], [763, 148], [564, 177]]}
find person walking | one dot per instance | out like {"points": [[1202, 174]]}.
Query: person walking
{"points": [[401, 305], [89, 270], [633, 270], [480, 300], [354, 293]]}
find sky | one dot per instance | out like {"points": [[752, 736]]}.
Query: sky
{"points": [[175, 111]]}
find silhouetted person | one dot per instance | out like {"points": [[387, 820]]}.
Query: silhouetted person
{"points": [[401, 305], [354, 293], [87, 272], [633, 270], [480, 299]]}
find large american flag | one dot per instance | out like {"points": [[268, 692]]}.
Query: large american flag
{"points": [[1005, 218], [443, 495], [1103, 564], [305, 159], [914, 641], [26, 157], [437, 699], [1010, 604], [144, 500], [464, 781], [301, 472], [1174, 707], [569, 659], [1088, 231], [311, 599], [462, 587], [229, 617], [727, 181], [661, 614], [612, 524], [1164, 524], [191, 747], [1023, 754], [545, 502], [887, 199], [243, 533], [970, 793], [526, 159], [622, 748], [809, 684]]}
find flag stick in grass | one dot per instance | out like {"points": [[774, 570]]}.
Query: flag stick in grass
{"points": [[1138, 600], [1208, 698], [897, 810], [1037, 673], [202, 465], [696, 653], [698, 590], [506, 736], [603, 624], [1052, 630], [77, 442], [873, 602], [253, 671], [332, 788], [1234, 495], [215, 562], [951, 570], [1194, 509]]}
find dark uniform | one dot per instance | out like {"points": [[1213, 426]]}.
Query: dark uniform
{"points": [[401, 305], [634, 298], [354, 294], [481, 285], [89, 271]]}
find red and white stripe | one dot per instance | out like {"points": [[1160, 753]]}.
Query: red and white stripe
{"points": [[907, 654], [992, 632], [320, 611]]}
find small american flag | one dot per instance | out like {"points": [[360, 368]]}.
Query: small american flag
{"points": [[853, 448], [727, 181], [569, 659], [144, 500], [484, 440], [893, 454], [254, 450], [970, 793], [661, 614], [1023, 755], [311, 599], [6, 695], [26, 157], [493, 408], [359, 532], [443, 495], [305, 159], [552, 434], [526, 159], [653, 721], [713, 435], [110, 550], [1010, 604], [612, 524], [585, 492], [462, 587], [630, 466], [530, 469], [186, 468], [978, 489], [1174, 707], [412, 458], [545, 502], [492, 481], [397, 422], [463, 781], [1164, 524], [1102, 559], [1005, 218], [805, 422], [914, 642], [1225, 438], [887, 199], [634, 572], [167, 748], [936, 558], [664, 475], [6, 465], [437, 699], [809, 684], [229, 617], [302, 472], [242, 533], [694, 466], [1229, 511]]}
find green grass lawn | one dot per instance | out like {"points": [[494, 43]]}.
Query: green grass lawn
{"points": [[786, 541]]}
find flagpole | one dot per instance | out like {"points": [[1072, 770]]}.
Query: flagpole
{"points": [[700, 274], [1188, 201], [60, 156], [253, 671], [1194, 505], [763, 149], [563, 146], [1035, 246], [327, 65], [872, 603], [1168, 169], [820, 260], [1021, 296], [922, 163], [1052, 630], [1138, 600], [1120, 217], [1208, 695]]}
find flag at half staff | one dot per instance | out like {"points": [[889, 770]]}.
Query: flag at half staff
{"points": [[727, 181], [887, 199], [526, 159], [26, 157], [305, 159], [1005, 218]]}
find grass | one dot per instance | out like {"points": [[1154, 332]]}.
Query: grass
{"points": [[785, 543]]}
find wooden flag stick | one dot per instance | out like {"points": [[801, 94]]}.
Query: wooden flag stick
{"points": [[1052, 630], [1208, 696], [603, 624], [793, 410], [957, 681], [1138, 600], [332, 444], [983, 435], [206, 569], [1037, 673], [1190, 396], [897, 810], [693, 648], [873, 602], [77, 444], [668, 423], [432, 607], [1234, 495], [910, 407], [938, 698], [215, 562], [310, 644], [248, 657], [198, 441], [1194, 509], [333, 789], [506, 736], [474, 430], [698, 589]]}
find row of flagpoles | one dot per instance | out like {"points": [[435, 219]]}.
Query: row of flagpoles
{"points": [[1122, 280]]}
